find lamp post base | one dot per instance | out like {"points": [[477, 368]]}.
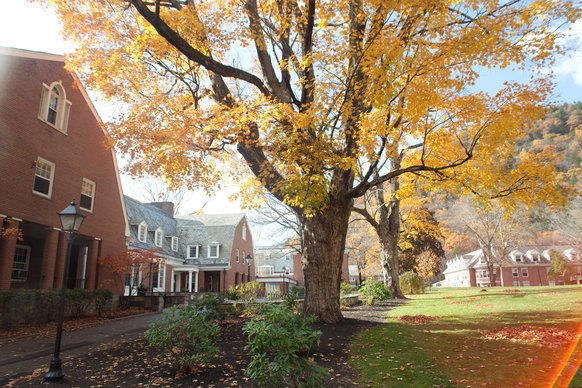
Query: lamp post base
{"points": [[55, 372]]}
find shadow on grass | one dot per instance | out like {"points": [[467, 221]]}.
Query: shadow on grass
{"points": [[462, 354]]}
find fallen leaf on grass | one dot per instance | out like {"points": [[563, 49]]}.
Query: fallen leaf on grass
{"points": [[548, 336], [420, 318]]}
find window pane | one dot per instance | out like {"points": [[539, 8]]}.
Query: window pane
{"points": [[41, 185], [20, 266], [86, 202]]}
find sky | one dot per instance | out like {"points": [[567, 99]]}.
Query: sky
{"points": [[29, 26]]}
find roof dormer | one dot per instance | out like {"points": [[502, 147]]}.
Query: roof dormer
{"points": [[516, 256]]}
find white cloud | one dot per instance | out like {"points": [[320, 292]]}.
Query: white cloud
{"points": [[571, 63]]}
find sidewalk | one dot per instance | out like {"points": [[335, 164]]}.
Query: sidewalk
{"points": [[21, 358]]}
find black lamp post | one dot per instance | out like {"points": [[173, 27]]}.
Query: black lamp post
{"points": [[249, 259], [71, 220]]}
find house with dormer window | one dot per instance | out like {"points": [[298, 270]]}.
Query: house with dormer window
{"points": [[53, 150], [195, 253], [523, 266]]}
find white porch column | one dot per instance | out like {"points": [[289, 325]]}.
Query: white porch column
{"points": [[173, 286], [179, 282], [189, 281], [197, 273]]}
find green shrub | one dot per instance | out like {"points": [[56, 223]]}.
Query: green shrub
{"points": [[210, 306], [36, 307], [299, 291], [279, 343], [347, 288], [185, 336], [78, 302], [102, 299], [411, 283], [373, 290], [247, 294]]}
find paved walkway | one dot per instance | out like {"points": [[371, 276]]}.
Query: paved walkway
{"points": [[21, 358]]}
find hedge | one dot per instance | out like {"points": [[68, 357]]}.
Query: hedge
{"points": [[36, 307]]}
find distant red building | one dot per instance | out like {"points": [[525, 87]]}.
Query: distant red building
{"points": [[523, 266], [53, 150]]}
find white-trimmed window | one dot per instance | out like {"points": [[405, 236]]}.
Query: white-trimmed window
{"points": [[515, 272], [20, 266], [193, 251], [516, 283], [142, 232], [244, 231], [44, 175], [158, 236], [87, 195], [525, 283], [524, 272], [213, 251], [54, 106], [237, 255], [174, 243], [244, 257], [159, 278], [518, 258], [535, 258]]}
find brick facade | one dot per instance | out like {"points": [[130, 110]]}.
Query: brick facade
{"points": [[78, 152]]}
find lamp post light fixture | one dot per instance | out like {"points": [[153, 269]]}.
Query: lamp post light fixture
{"points": [[71, 220], [249, 259]]}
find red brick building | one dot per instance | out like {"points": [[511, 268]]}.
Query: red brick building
{"points": [[196, 253], [53, 150], [523, 266]]}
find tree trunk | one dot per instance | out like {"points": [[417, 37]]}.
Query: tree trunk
{"points": [[324, 236], [388, 231], [389, 234]]}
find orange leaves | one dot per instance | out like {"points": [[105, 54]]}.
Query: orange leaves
{"points": [[420, 318], [545, 336]]}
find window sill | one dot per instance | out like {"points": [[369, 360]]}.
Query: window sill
{"points": [[63, 131]]}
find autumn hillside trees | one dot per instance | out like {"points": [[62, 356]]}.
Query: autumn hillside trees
{"points": [[290, 96]]}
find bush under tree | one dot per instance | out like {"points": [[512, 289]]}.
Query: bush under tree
{"points": [[187, 337], [373, 290], [279, 343]]}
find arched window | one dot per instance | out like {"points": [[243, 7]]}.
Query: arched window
{"points": [[54, 106]]}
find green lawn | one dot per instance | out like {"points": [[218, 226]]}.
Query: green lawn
{"points": [[452, 351]]}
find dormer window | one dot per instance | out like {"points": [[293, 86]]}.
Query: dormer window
{"points": [[174, 243], [536, 258], [142, 232], [158, 237], [213, 251], [193, 251], [54, 106], [518, 257]]}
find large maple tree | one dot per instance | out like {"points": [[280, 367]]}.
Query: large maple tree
{"points": [[297, 97]]}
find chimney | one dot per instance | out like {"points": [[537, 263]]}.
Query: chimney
{"points": [[167, 207]]}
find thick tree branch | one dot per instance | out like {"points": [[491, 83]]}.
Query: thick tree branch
{"points": [[193, 54]]}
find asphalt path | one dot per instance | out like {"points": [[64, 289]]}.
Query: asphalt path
{"points": [[22, 357]]}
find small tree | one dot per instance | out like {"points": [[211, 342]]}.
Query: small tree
{"points": [[132, 268], [561, 268], [411, 283]]}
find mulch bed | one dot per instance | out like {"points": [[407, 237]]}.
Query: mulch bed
{"points": [[134, 363]]}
